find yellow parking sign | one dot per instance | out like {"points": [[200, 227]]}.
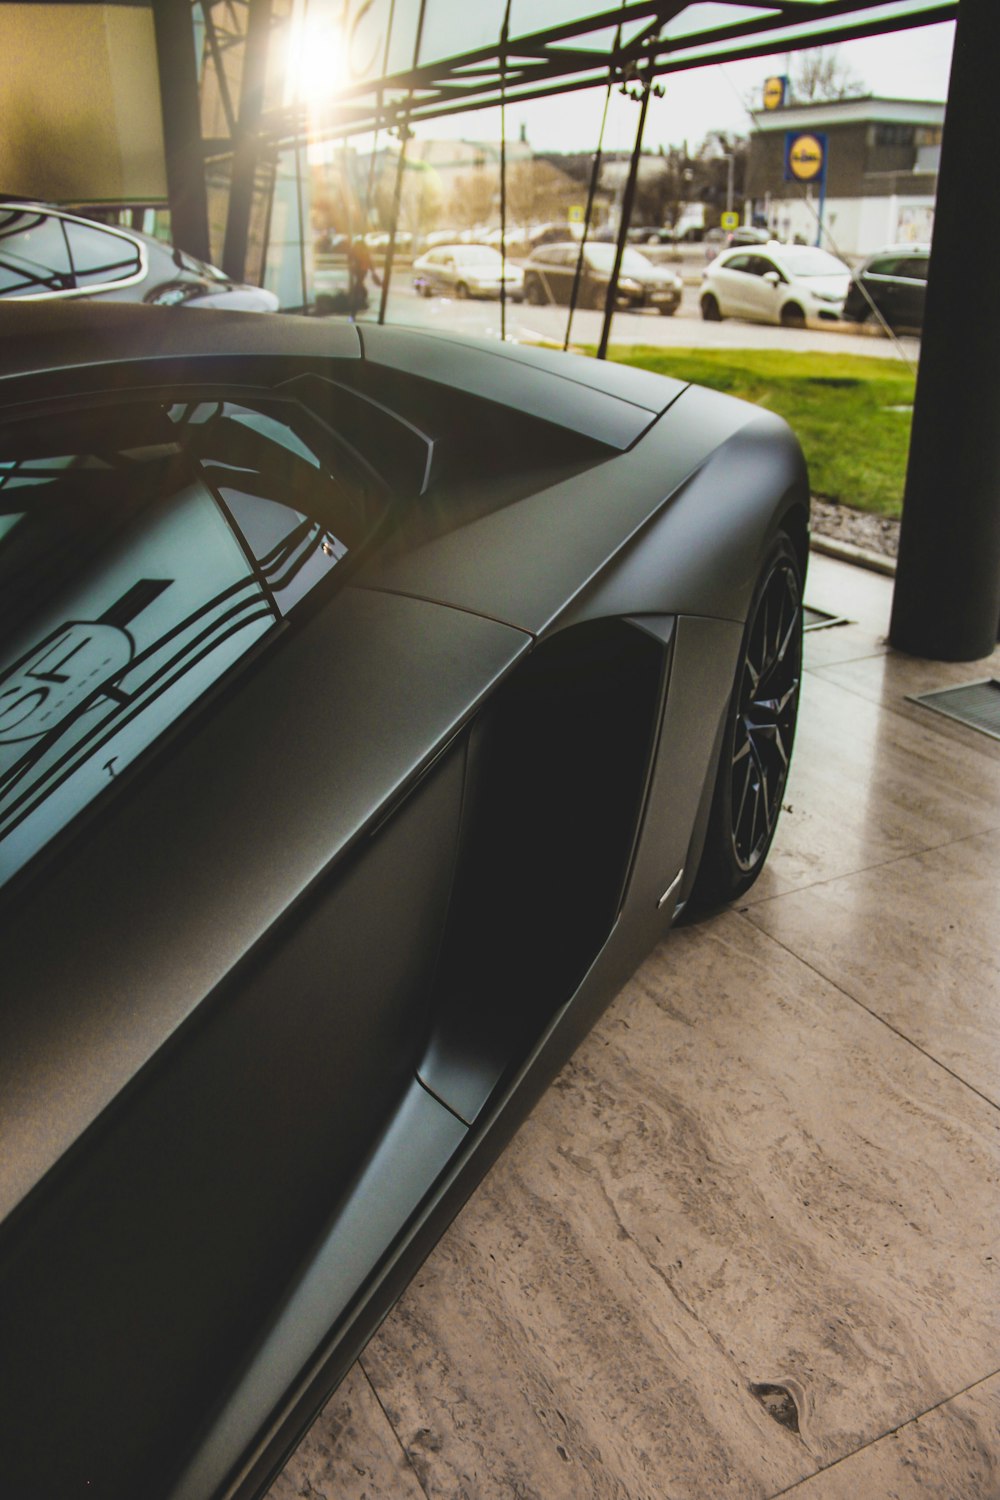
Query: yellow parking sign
{"points": [[574, 213], [730, 219]]}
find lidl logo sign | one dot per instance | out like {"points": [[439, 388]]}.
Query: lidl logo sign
{"points": [[774, 92], [805, 156]]}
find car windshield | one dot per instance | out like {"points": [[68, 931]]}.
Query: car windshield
{"points": [[808, 260], [602, 258], [477, 255]]}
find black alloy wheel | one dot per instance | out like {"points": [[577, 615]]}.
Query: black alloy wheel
{"points": [[710, 309], [792, 316], [758, 736]]}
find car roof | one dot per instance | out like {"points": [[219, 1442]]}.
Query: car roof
{"points": [[908, 247]]}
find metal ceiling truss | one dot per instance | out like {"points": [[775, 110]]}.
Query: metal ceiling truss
{"points": [[558, 60]]}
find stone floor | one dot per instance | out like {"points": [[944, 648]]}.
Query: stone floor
{"points": [[748, 1244]]}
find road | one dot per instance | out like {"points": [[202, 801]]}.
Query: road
{"points": [[686, 329]]}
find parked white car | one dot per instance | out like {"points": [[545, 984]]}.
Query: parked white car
{"points": [[774, 283], [466, 271]]}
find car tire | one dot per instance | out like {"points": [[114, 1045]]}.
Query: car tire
{"points": [[424, 289], [461, 290], [666, 312], [710, 310], [792, 316], [534, 291], [757, 736]]}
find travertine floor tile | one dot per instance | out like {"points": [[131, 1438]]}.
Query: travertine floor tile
{"points": [[841, 644], [841, 589], [866, 787], [889, 678], [949, 1454], [351, 1451], [542, 1355], [917, 942], [741, 1178]]}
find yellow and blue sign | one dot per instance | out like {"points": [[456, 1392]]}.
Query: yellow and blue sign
{"points": [[730, 219], [805, 156], [774, 91]]}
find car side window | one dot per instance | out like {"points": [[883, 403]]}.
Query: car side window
{"points": [[886, 266], [33, 253], [739, 263], [100, 257], [146, 549], [913, 268]]}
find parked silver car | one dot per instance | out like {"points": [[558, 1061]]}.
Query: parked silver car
{"points": [[788, 284], [48, 254], [466, 271]]}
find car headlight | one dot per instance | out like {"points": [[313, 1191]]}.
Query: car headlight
{"points": [[829, 296], [626, 284]]}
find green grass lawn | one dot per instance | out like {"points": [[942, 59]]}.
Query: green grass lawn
{"points": [[839, 405]]}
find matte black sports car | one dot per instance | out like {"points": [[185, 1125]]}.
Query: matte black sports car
{"points": [[370, 703]]}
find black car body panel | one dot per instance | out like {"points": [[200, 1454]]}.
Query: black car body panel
{"points": [[892, 286], [286, 969], [551, 274]]}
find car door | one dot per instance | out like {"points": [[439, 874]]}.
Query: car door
{"points": [[739, 287], [912, 274], [234, 788]]}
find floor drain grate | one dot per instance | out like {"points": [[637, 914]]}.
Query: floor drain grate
{"points": [[975, 703], [818, 619]]}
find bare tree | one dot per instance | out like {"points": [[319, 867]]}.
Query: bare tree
{"points": [[473, 197], [538, 190], [821, 74]]}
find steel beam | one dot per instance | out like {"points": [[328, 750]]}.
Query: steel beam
{"points": [[241, 189], [181, 113]]}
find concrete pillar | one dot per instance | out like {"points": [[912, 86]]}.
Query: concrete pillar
{"points": [[947, 596]]}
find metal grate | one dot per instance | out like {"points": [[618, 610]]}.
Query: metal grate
{"points": [[818, 619], [975, 703]]}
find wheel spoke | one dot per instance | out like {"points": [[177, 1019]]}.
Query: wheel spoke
{"points": [[768, 700]]}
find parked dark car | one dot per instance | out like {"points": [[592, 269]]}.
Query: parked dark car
{"points": [[370, 704], [49, 254], [890, 286], [550, 273]]}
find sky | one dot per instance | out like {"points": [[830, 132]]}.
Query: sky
{"points": [[911, 64]]}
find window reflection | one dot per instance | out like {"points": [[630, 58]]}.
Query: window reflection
{"points": [[143, 552]]}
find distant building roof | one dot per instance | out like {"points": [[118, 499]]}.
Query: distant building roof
{"points": [[868, 109]]}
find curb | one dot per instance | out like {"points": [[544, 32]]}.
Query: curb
{"points": [[875, 562]]}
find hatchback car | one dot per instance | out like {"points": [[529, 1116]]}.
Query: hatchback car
{"points": [[47, 253], [890, 285], [466, 271], [550, 273], [788, 284]]}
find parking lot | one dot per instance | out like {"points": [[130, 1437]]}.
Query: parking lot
{"points": [[685, 329]]}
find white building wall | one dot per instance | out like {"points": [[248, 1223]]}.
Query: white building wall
{"points": [[853, 227]]}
